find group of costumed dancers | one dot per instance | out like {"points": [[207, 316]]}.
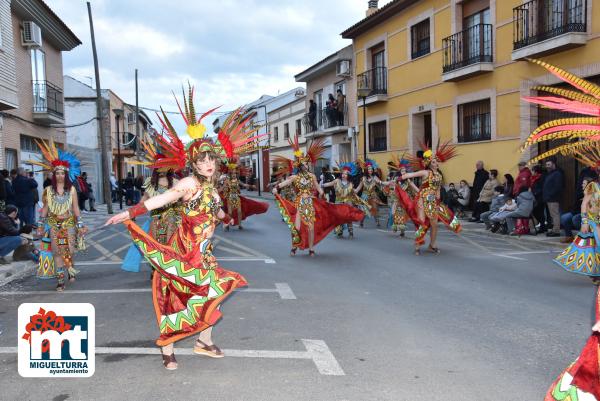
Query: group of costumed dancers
{"points": [[188, 284]]}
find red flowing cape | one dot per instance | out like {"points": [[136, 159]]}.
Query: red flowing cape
{"points": [[410, 205], [249, 208], [585, 370], [327, 217]]}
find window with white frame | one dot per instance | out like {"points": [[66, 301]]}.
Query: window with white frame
{"points": [[378, 136], [286, 131], [298, 127], [276, 133]]}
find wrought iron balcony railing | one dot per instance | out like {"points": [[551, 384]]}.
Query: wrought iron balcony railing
{"points": [[473, 45], [539, 20], [324, 119], [47, 98], [375, 79]]}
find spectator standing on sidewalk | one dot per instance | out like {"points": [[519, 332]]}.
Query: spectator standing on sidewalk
{"points": [[90, 192], [128, 186], [47, 181], [553, 187], [485, 196], [24, 200], [312, 115], [537, 188], [82, 191], [523, 179], [481, 176], [113, 187], [138, 184], [5, 181], [9, 232]]}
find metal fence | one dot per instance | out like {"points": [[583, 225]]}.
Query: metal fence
{"points": [[473, 45]]}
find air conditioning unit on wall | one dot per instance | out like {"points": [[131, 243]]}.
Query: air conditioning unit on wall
{"points": [[343, 68], [32, 34]]}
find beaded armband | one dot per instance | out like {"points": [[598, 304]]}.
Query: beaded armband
{"points": [[137, 210], [226, 219], [79, 223], [584, 220]]}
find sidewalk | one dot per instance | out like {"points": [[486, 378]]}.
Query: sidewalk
{"points": [[468, 227]]}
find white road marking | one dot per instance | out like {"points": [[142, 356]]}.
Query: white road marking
{"points": [[240, 246], [508, 256], [116, 234], [118, 261], [283, 289], [316, 350], [105, 252], [285, 292]]}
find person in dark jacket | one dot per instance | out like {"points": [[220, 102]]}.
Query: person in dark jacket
{"points": [[5, 181], [571, 220], [9, 232], [481, 176], [537, 188], [128, 186], [24, 200], [553, 187], [509, 185]]}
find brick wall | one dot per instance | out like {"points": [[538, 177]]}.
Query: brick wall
{"points": [[54, 73]]}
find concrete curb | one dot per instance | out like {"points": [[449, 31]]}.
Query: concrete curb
{"points": [[16, 271]]}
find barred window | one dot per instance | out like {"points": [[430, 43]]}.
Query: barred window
{"points": [[474, 121], [378, 136], [419, 34], [286, 131]]}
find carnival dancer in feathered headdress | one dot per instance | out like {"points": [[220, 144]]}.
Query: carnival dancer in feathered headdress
{"points": [[60, 218], [345, 194], [369, 184], [427, 208], [190, 284], [167, 160], [238, 206], [309, 219], [582, 134], [398, 215]]}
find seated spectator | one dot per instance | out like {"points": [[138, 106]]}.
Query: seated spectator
{"points": [[509, 184], [499, 217], [525, 201], [9, 232], [572, 220], [497, 202], [485, 196], [464, 197], [451, 199]]}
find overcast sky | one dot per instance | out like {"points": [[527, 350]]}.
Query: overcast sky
{"points": [[233, 51]]}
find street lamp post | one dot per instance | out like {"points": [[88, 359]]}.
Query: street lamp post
{"points": [[118, 114], [363, 92]]}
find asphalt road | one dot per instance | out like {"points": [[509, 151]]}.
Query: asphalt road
{"points": [[487, 319]]}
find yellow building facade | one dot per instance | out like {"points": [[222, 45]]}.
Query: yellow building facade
{"points": [[451, 70]]}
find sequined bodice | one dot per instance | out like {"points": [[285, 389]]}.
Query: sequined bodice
{"points": [[303, 184], [343, 191], [202, 209], [233, 186], [431, 187], [369, 185], [593, 209]]}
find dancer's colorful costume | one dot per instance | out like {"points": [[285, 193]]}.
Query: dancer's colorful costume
{"points": [[163, 222], [191, 285], [63, 229], [233, 201], [427, 205], [314, 213], [581, 380], [345, 195], [369, 186]]}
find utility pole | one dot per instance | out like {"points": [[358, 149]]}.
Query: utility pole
{"points": [[137, 110], [106, 187]]}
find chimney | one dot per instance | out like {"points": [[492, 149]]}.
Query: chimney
{"points": [[372, 7]]}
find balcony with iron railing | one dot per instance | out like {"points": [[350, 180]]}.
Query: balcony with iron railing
{"points": [[375, 80], [468, 53], [325, 121], [545, 26], [48, 106]]}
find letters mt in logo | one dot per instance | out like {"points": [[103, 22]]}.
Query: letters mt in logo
{"points": [[56, 340], [51, 337]]}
